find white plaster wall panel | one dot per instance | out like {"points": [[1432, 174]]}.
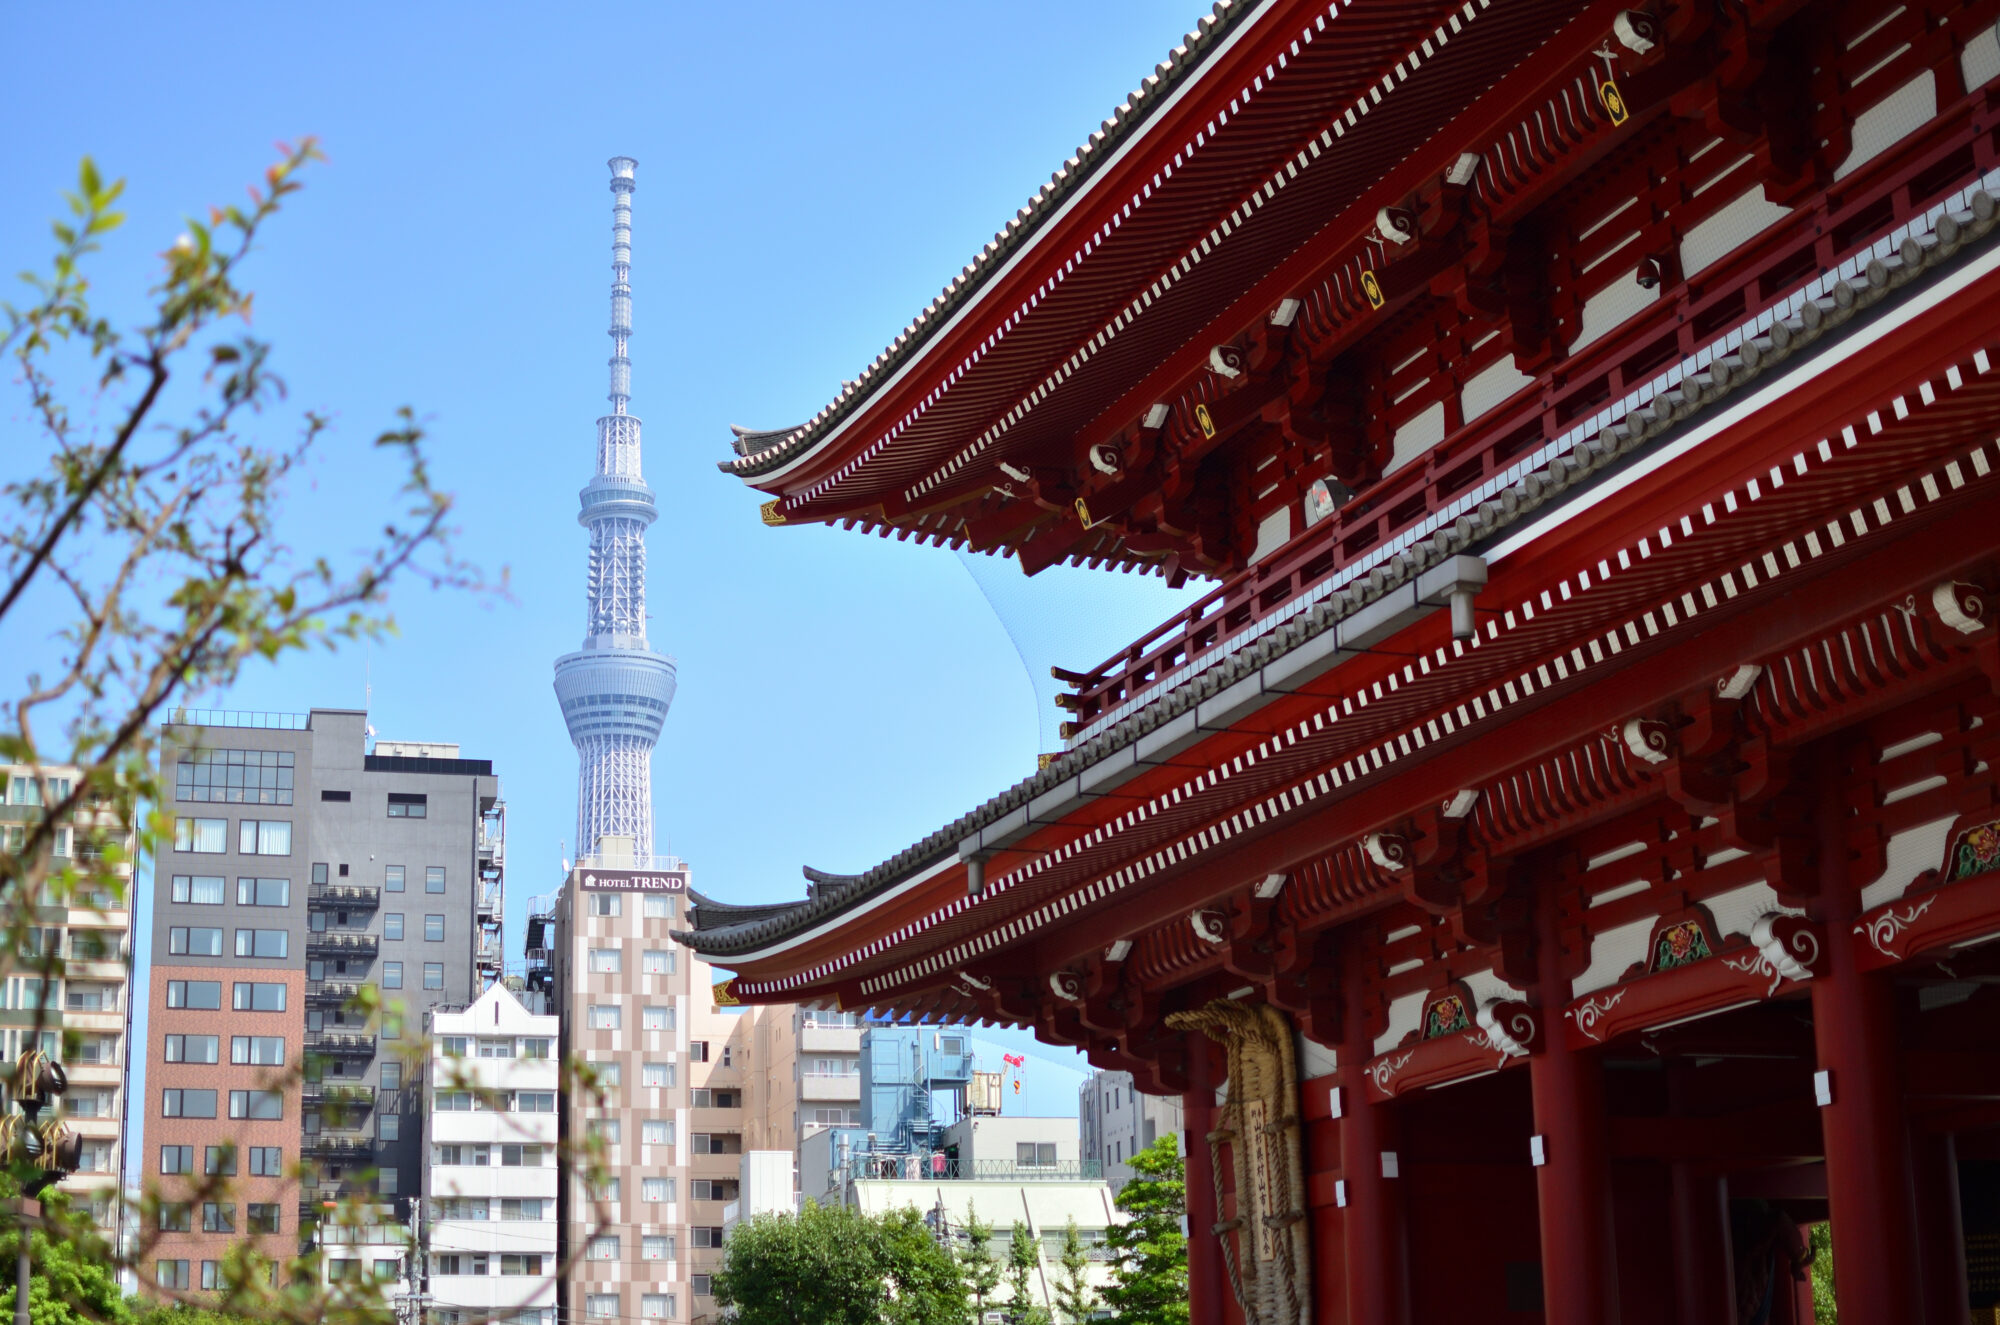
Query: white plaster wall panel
{"points": [[1890, 121], [1488, 987], [1417, 437], [1611, 307], [1910, 853], [1612, 953], [1404, 1015], [1273, 532], [1315, 1059], [1490, 385], [1979, 62], [1737, 223]]}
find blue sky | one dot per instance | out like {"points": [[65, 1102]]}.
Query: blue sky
{"points": [[809, 178]]}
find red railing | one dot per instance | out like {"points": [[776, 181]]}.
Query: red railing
{"points": [[1683, 327]]}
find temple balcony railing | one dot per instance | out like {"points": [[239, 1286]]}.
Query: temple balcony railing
{"points": [[1707, 324]]}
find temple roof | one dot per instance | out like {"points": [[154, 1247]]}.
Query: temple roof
{"points": [[759, 453], [722, 931]]}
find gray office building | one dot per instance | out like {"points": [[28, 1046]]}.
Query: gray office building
{"points": [[303, 865]]}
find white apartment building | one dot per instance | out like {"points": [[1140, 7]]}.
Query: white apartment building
{"points": [[1117, 1121], [89, 929], [490, 1180]]}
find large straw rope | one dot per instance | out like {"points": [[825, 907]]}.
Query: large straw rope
{"points": [[1270, 1260]]}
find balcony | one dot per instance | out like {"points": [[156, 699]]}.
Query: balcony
{"points": [[830, 1087], [344, 897], [331, 992], [321, 1094], [340, 1044], [487, 898], [340, 945], [334, 1145]]}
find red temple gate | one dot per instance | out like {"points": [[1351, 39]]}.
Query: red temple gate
{"points": [[1588, 416]]}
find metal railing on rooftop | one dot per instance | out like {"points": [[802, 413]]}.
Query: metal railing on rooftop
{"points": [[932, 1167], [290, 722]]}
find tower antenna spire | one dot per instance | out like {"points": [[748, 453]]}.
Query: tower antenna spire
{"points": [[615, 690]]}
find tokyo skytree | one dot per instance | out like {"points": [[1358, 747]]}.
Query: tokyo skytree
{"points": [[615, 690]]}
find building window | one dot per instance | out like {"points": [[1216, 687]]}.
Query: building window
{"points": [[194, 942], [605, 1129], [656, 962], [260, 1104], [219, 1161], [659, 906], [531, 1101], [605, 1016], [171, 1274], [206, 837], [460, 1263], [264, 837], [177, 1159], [698, 1051], [605, 961], [218, 1216], [392, 878], [261, 1050], [176, 1217], [653, 1248], [338, 797], [258, 997], [452, 1101], [514, 1156], [434, 975], [389, 1126], [392, 1026], [536, 1047], [716, 1143], [407, 805], [392, 924], [659, 1075], [263, 892], [433, 878], [267, 1161], [262, 1217], [604, 904], [705, 1236], [433, 929], [392, 1075], [698, 1285], [187, 1104], [658, 1191], [658, 1132], [656, 1019], [267, 943], [604, 1247], [656, 1306], [454, 1046], [203, 994], [1035, 1154], [193, 1048], [198, 889], [392, 975], [241, 777], [713, 1189], [597, 1306], [718, 1099], [521, 1263]]}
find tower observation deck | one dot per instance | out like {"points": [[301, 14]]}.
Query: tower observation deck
{"points": [[615, 690]]}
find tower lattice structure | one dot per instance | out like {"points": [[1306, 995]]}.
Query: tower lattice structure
{"points": [[615, 690]]}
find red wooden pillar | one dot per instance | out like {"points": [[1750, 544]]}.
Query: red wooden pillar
{"points": [[1941, 1242], [1207, 1287], [1573, 1178], [1869, 1197], [1372, 1229], [1704, 1278]]}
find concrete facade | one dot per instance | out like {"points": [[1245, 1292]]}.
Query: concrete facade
{"points": [[1116, 1120], [672, 1070], [489, 1216], [90, 928], [302, 868]]}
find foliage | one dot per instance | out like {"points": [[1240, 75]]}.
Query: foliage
{"points": [[1074, 1298], [72, 1282], [977, 1261], [832, 1265], [1820, 1239], [1023, 1257], [1149, 1252], [151, 527]]}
